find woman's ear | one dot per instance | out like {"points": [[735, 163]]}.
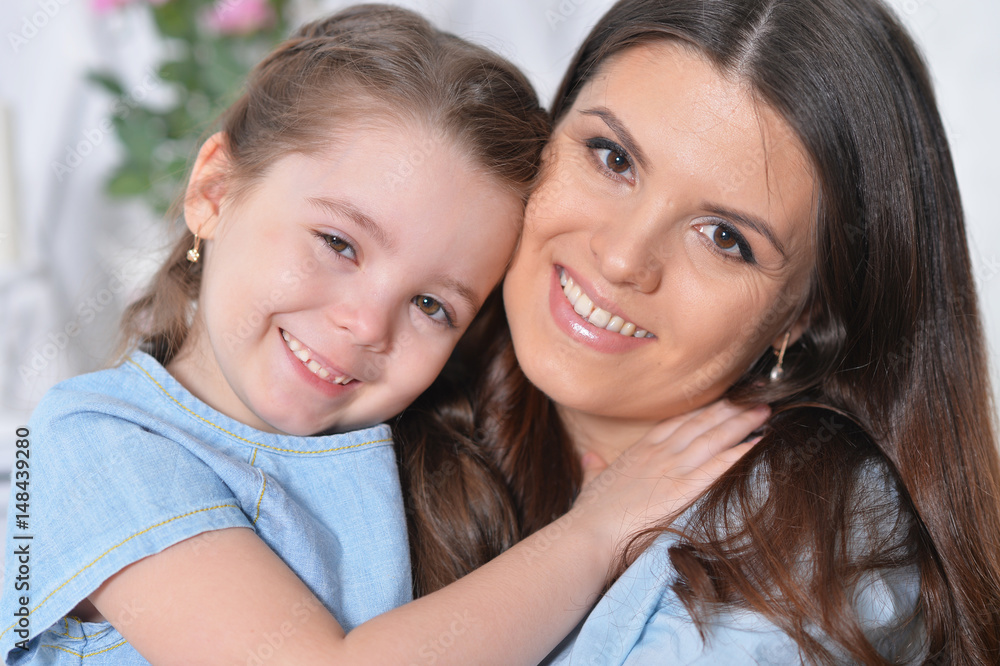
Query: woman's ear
{"points": [[206, 187], [794, 331]]}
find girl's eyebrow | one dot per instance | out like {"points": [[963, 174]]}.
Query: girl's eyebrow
{"points": [[463, 290], [621, 132], [346, 209]]}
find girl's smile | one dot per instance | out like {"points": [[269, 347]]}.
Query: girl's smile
{"points": [[337, 285]]}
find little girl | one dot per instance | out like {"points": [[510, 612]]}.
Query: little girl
{"points": [[225, 495]]}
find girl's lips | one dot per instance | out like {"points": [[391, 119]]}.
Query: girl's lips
{"points": [[571, 323], [326, 386], [314, 362]]}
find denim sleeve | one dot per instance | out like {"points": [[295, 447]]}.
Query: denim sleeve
{"points": [[105, 491]]}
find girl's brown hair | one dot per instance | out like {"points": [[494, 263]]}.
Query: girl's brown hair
{"points": [[367, 62], [890, 376]]}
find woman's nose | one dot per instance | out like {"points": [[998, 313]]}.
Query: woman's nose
{"points": [[628, 255]]}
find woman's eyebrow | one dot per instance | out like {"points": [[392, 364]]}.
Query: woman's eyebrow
{"points": [[624, 136], [350, 211], [750, 222]]}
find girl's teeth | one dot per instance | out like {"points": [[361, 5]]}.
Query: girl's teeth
{"points": [[585, 307], [302, 353]]}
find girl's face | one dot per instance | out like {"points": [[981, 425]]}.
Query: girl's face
{"points": [[681, 209], [336, 288]]}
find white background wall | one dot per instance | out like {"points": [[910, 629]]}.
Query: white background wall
{"points": [[65, 250]]}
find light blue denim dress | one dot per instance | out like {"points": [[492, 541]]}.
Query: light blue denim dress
{"points": [[641, 620], [126, 462]]}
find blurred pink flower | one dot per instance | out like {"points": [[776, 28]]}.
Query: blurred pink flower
{"points": [[105, 6], [239, 17]]}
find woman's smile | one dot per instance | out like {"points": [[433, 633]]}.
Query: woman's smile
{"points": [[670, 221]]}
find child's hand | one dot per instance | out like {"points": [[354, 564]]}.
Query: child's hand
{"points": [[662, 473]]}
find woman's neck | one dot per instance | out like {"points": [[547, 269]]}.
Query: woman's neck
{"points": [[606, 436]]}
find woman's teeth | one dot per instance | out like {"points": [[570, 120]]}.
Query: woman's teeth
{"points": [[303, 354], [594, 315]]}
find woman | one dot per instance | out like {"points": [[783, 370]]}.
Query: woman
{"points": [[761, 194]]}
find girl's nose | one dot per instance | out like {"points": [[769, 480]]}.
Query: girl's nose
{"points": [[367, 321]]}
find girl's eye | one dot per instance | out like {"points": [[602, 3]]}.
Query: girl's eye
{"points": [[611, 156], [728, 240], [339, 245], [433, 309]]}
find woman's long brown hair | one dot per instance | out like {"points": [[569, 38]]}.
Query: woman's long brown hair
{"points": [[890, 376]]}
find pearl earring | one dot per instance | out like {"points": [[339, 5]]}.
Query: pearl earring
{"points": [[778, 371], [193, 255]]}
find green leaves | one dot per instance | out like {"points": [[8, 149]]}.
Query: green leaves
{"points": [[203, 75]]}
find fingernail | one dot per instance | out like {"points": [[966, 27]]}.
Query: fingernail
{"points": [[763, 409]]}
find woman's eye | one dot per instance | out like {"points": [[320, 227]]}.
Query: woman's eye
{"points": [[432, 308], [339, 245], [611, 156], [728, 240]]}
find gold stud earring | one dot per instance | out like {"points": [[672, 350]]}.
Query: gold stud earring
{"points": [[778, 371], [193, 255]]}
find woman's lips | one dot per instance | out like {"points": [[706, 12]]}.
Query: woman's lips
{"points": [[597, 317], [573, 323]]}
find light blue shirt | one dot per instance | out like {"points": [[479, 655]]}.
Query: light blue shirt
{"points": [[126, 462], [642, 621]]}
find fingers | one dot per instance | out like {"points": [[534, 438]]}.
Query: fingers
{"points": [[723, 419], [715, 442]]}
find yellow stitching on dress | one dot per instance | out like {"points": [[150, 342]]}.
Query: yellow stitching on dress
{"points": [[164, 522], [253, 457], [89, 654], [262, 489], [244, 439], [85, 636]]}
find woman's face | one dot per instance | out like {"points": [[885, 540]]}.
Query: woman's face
{"points": [[680, 207]]}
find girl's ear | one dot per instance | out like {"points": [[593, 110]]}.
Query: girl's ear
{"points": [[206, 187]]}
